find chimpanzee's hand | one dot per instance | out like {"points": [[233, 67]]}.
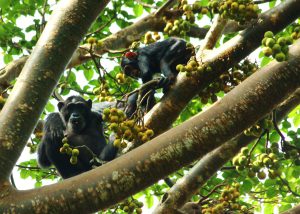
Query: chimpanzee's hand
{"points": [[165, 82]]}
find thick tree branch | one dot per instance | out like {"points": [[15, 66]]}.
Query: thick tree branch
{"points": [[189, 185], [132, 172], [163, 114], [294, 210], [63, 32], [213, 34]]}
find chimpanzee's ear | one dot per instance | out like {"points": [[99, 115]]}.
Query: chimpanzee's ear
{"points": [[60, 105], [89, 103]]}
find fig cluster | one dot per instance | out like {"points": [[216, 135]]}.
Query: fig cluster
{"points": [[151, 37], [67, 149], [265, 163], [102, 93], [177, 27], [227, 202], [193, 67], [182, 25], [125, 130], [257, 129], [131, 206], [277, 47], [227, 81], [238, 10]]}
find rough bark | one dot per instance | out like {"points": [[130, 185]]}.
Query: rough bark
{"points": [[189, 185]]}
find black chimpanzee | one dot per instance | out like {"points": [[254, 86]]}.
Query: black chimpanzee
{"points": [[160, 57], [83, 128]]}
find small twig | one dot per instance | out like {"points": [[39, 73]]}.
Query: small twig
{"points": [[102, 26], [12, 180], [227, 168], [283, 142], [211, 192], [146, 85], [268, 138], [253, 147]]}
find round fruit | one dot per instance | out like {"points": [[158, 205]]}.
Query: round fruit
{"points": [[280, 57], [261, 175], [269, 34], [73, 160], [75, 152], [149, 133], [267, 51]]}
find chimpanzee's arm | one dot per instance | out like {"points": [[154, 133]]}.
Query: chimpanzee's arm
{"points": [[145, 68], [53, 133], [42, 156]]}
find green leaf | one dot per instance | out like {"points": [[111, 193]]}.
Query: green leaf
{"points": [[38, 184], [269, 183], [7, 58], [296, 120], [274, 137], [149, 200], [88, 74], [272, 4], [49, 107], [138, 10], [24, 173], [246, 186], [4, 3], [286, 124], [271, 192], [284, 207], [72, 77], [268, 208], [265, 61]]}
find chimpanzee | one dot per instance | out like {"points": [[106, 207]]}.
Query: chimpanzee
{"points": [[160, 57], [83, 128]]}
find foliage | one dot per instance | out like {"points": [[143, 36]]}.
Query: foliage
{"points": [[99, 79]]}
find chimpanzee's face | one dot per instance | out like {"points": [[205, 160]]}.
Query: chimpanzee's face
{"points": [[130, 67], [131, 71], [76, 114]]}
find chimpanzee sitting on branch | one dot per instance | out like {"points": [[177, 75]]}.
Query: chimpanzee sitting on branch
{"points": [[160, 57], [83, 129]]}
